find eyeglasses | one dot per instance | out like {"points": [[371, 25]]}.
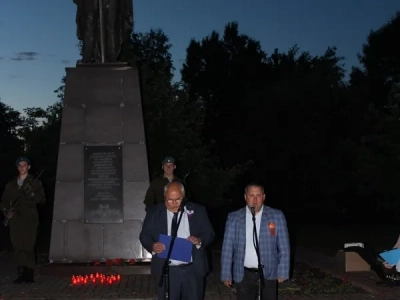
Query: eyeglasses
{"points": [[174, 200]]}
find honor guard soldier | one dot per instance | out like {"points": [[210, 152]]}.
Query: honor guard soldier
{"points": [[155, 192], [18, 204]]}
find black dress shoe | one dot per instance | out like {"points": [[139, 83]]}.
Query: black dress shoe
{"points": [[21, 276], [29, 275]]}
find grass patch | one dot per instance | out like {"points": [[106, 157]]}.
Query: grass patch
{"points": [[311, 281]]}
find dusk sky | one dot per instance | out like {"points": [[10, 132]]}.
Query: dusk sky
{"points": [[38, 38]]}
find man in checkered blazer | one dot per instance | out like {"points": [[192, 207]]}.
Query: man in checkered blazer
{"points": [[239, 262]]}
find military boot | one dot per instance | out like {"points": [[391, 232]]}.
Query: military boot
{"points": [[21, 275], [29, 274]]}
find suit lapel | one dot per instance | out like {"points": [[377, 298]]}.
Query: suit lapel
{"points": [[242, 227], [264, 225], [192, 219], [163, 220]]}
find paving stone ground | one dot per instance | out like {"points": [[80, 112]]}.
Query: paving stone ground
{"points": [[365, 280], [57, 286]]}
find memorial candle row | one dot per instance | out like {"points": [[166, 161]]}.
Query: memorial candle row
{"points": [[94, 279]]}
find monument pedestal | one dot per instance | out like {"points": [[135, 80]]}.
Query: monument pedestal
{"points": [[102, 172]]}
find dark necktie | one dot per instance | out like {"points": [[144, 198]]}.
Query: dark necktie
{"points": [[174, 225]]}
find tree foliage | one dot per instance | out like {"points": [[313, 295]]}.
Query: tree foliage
{"points": [[10, 143], [174, 124], [380, 76]]}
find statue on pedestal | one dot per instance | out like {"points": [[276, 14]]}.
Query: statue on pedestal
{"points": [[103, 26]]}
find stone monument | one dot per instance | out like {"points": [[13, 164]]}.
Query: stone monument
{"points": [[102, 172], [103, 26]]}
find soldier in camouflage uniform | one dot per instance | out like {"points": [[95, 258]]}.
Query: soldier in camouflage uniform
{"points": [[24, 220], [155, 192]]}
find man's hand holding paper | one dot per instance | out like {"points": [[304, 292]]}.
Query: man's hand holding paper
{"points": [[182, 249], [158, 247], [195, 240]]}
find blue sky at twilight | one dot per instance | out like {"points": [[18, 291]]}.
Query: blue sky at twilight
{"points": [[38, 38]]}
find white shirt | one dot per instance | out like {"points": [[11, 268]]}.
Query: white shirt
{"points": [[183, 230], [250, 257]]}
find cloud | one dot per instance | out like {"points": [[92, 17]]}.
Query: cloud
{"points": [[25, 56], [15, 76], [65, 61]]}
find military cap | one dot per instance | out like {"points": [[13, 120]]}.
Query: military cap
{"points": [[22, 158], [168, 159]]}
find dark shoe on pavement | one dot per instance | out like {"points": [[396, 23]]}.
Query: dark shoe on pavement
{"points": [[21, 276], [29, 277]]}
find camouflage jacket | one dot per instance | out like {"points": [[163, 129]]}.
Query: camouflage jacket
{"points": [[27, 196]]}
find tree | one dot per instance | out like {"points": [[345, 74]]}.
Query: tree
{"points": [[282, 111], [10, 144], [150, 53], [174, 123], [376, 84], [41, 135], [307, 122], [381, 64], [224, 75], [60, 91]]}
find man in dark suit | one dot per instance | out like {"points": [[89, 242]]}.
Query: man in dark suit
{"points": [[186, 279]]}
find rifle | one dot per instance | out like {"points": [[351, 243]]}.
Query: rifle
{"points": [[183, 181], [187, 174], [16, 203]]}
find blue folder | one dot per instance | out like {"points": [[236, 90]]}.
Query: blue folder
{"points": [[392, 257], [182, 249]]}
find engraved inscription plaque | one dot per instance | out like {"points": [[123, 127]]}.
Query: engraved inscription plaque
{"points": [[103, 192]]}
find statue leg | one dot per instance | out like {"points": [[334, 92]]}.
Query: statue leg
{"points": [[111, 34], [89, 38]]}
